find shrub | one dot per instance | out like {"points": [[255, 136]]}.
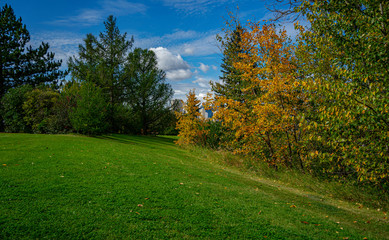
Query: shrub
{"points": [[89, 116], [38, 109], [12, 109]]}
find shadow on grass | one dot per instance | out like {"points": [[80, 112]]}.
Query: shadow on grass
{"points": [[149, 141]]}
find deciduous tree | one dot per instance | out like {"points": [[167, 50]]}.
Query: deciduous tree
{"points": [[147, 92]]}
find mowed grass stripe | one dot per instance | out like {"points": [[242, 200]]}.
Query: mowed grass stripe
{"points": [[120, 187]]}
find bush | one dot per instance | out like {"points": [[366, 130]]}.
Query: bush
{"points": [[38, 109], [89, 116], [12, 109]]}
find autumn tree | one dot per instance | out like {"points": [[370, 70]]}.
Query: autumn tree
{"points": [[189, 123], [265, 122]]}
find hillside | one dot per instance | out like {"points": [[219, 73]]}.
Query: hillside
{"points": [[121, 187]]}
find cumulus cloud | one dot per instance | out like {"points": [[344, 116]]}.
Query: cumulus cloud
{"points": [[175, 66], [204, 68], [89, 17]]}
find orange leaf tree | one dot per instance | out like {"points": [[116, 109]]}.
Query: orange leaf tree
{"points": [[265, 121]]}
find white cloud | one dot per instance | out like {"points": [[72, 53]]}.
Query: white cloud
{"points": [[63, 44], [94, 16], [195, 6], [179, 74], [204, 46], [175, 66], [182, 89], [204, 68], [202, 82], [214, 67]]}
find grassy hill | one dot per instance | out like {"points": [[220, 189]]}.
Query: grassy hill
{"points": [[133, 187]]}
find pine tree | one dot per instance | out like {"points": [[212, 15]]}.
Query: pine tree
{"points": [[231, 83], [20, 64], [101, 61]]}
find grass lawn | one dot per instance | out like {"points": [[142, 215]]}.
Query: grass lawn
{"points": [[133, 187]]}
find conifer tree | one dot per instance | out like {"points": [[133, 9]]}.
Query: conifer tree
{"points": [[231, 83], [19, 64], [101, 61]]}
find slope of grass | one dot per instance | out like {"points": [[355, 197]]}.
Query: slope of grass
{"points": [[132, 187]]}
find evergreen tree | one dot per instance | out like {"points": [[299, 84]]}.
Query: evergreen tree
{"points": [[147, 93], [231, 83], [101, 61], [20, 64]]}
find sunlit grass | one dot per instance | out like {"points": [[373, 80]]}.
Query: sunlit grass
{"points": [[132, 187]]}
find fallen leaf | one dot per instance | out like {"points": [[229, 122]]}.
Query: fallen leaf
{"points": [[293, 206], [140, 205], [367, 221], [304, 222], [259, 212], [317, 225], [181, 183]]}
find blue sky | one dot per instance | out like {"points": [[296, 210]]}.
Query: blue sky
{"points": [[181, 32]]}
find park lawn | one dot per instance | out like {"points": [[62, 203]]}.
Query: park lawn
{"points": [[135, 187]]}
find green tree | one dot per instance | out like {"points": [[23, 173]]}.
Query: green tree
{"points": [[20, 64], [12, 109], [231, 83], [39, 109], [345, 59], [90, 113], [147, 93], [101, 61]]}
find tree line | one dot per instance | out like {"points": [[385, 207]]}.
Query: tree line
{"points": [[113, 87], [318, 103]]}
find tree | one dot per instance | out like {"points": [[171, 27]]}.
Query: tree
{"points": [[231, 84], [264, 121], [101, 61], [345, 60], [89, 115], [147, 94], [12, 109], [39, 109], [189, 122], [20, 64]]}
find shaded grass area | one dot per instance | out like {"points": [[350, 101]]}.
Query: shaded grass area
{"points": [[118, 186]]}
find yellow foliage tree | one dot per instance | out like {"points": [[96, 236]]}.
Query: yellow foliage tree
{"points": [[190, 124], [266, 122]]}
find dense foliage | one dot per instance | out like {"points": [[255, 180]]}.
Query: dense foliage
{"points": [[113, 89], [147, 92], [319, 104], [19, 63]]}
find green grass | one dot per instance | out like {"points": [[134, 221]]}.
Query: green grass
{"points": [[133, 187]]}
